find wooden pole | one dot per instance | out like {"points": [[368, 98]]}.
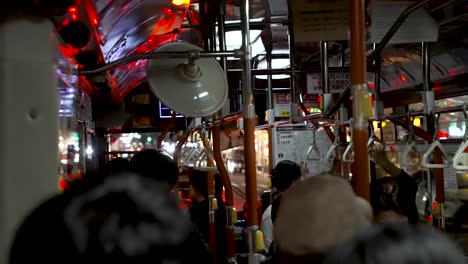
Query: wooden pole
{"points": [[361, 97]]}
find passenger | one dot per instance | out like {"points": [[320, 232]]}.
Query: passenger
{"points": [[283, 176], [127, 219], [157, 165], [397, 243], [314, 216], [393, 198], [117, 165], [199, 213]]}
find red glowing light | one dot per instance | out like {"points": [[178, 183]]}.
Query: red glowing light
{"points": [[437, 88], [403, 77], [95, 21], [72, 9], [167, 11], [434, 205], [392, 149], [62, 184], [371, 85], [74, 17]]}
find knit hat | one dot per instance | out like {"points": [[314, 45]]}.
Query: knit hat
{"points": [[316, 214]]}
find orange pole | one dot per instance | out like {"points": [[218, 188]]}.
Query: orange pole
{"points": [[361, 100], [229, 196], [250, 171], [211, 212]]}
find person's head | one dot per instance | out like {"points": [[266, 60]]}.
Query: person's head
{"points": [[314, 215], [198, 185], [117, 165], [385, 203], [397, 243], [284, 174], [157, 165], [127, 219]]}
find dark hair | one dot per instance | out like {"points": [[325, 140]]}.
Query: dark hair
{"points": [[284, 174], [386, 196], [155, 164], [401, 243], [127, 219], [117, 165], [198, 180], [396, 194]]}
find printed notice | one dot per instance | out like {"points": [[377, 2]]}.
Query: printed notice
{"points": [[450, 180], [291, 142], [419, 26], [320, 20]]}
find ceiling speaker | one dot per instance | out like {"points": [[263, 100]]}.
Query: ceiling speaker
{"points": [[195, 88]]}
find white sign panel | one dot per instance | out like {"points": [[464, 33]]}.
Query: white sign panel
{"points": [[337, 82], [292, 142], [450, 180], [318, 20], [419, 26]]}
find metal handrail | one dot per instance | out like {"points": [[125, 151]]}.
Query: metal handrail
{"points": [[461, 150]]}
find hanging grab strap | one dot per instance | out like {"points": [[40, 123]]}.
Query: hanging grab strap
{"points": [[206, 153], [411, 147], [331, 154], [456, 162], [373, 138], [435, 144], [313, 153]]}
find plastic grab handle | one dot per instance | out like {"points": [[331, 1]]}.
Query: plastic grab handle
{"points": [[373, 139], [331, 152], [425, 163], [205, 154], [404, 160], [349, 148], [313, 153], [458, 155]]}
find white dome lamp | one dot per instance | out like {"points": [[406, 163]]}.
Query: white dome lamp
{"points": [[191, 87]]}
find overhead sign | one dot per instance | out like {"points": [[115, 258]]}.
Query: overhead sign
{"points": [[282, 104], [291, 142], [337, 82], [317, 20], [419, 26]]}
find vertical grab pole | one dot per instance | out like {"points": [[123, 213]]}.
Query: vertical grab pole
{"points": [[226, 182], [270, 111], [211, 198], [361, 100], [327, 96], [429, 111], [292, 60], [248, 110], [223, 173]]}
